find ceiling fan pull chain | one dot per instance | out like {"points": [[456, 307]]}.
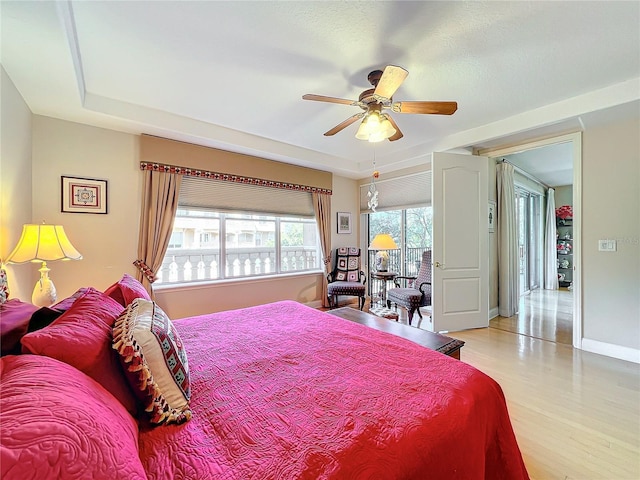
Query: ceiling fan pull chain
{"points": [[373, 193]]}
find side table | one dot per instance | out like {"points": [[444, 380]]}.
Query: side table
{"points": [[381, 293]]}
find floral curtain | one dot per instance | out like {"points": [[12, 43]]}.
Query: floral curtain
{"points": [[159, 204], [322, 209]]}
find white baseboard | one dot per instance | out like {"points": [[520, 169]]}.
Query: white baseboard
{"points": [[611, 350], [493, 313]]}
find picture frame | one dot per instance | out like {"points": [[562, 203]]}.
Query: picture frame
{"points": [[83, 195], [344, 222], [491, 219]]}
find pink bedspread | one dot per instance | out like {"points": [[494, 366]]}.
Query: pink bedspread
{"points": [[283, 391]]}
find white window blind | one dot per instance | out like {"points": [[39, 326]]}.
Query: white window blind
{"points": [[408, 191], [197, 192]]}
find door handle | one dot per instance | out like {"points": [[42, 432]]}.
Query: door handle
{"points": [[438, 265]]}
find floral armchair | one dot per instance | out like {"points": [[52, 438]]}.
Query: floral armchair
{"points": [[346, 277]]}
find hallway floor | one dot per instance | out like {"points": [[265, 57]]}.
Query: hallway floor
{"points": [[543, 314]]}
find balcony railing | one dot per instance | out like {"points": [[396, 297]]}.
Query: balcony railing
{"points": [[201, 264]]}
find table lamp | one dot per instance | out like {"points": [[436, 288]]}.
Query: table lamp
{"points": [[43, 243], [382, 242]]}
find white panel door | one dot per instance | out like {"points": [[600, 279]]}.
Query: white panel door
{"points": [[460, 242]]}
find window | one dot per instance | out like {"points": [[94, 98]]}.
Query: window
{"points": [[411, 228], [215, 243], [176, 239]]}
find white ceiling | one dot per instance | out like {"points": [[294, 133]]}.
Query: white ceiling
{"points": [[231, 74]]}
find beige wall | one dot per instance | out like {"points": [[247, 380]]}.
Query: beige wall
{"points": [[172, 152], [563, 195], [345, 199], [109, 242], [611, 210], [15, 183]]}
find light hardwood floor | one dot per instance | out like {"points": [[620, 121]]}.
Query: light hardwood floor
{"points": [[545, 314], [576, 414]]}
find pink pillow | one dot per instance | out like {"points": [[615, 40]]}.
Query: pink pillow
{"points": [[14, 322], [59, 423], [126, 290], [82, 338], [65, 304]]}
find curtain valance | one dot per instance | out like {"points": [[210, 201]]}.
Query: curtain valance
{"points": [[162, 154], [230, 177]]}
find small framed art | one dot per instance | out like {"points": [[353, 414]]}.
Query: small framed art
{"points": [[344, 222], [84, 195], [492, 216]]}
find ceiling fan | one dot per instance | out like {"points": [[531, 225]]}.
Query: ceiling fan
{"points": [[376, 125]]}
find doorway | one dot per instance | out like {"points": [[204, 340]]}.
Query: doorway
{"points": [[540, 307]]}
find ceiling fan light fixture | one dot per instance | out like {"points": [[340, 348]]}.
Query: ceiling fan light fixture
{"points": [[375, 128]]}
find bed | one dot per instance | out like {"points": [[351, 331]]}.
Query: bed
{"points": [[277, 391]]}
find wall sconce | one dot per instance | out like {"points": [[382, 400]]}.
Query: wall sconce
{"points": [[43, 243]]}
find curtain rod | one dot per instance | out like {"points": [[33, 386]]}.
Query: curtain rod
{"points": [[526, 174]]}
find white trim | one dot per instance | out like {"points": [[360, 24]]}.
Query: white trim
{"points": [[493, 313], [611, 350]]}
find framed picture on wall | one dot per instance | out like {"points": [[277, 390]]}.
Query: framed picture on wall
{"points": [[83, 195], [344, 222], [492, 216]]}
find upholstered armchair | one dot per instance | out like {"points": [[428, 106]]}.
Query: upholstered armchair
{"points": [[346, 277], [417, 292]]}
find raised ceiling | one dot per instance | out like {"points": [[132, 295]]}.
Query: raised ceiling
{"points": [[231, 74]]}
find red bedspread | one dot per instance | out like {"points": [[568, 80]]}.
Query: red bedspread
{"points": [[283, 391]]}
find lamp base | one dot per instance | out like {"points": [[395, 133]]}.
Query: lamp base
{"points": [[44, 293], [382, 261]]}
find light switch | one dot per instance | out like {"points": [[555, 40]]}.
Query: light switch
{"points": [[607, 245]]}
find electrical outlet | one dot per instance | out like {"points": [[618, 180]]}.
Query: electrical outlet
{"points": [[607, 245]]}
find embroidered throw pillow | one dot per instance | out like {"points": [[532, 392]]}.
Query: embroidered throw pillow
{"points": [[126, 290], [154, 360]]}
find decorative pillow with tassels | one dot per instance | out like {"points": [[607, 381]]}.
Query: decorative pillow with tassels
{"points": [[154, 360]]}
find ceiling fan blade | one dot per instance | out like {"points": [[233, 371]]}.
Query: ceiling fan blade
{"points": [[344, 124], [391, 79], [438, 108], [398, 135], [322, 98]]}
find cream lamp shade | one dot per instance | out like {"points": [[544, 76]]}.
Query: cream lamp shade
{"points": [[375, 127], [382, 242], [43, 243]]}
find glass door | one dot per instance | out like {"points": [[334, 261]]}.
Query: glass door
{"points": [[529, 219]]}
